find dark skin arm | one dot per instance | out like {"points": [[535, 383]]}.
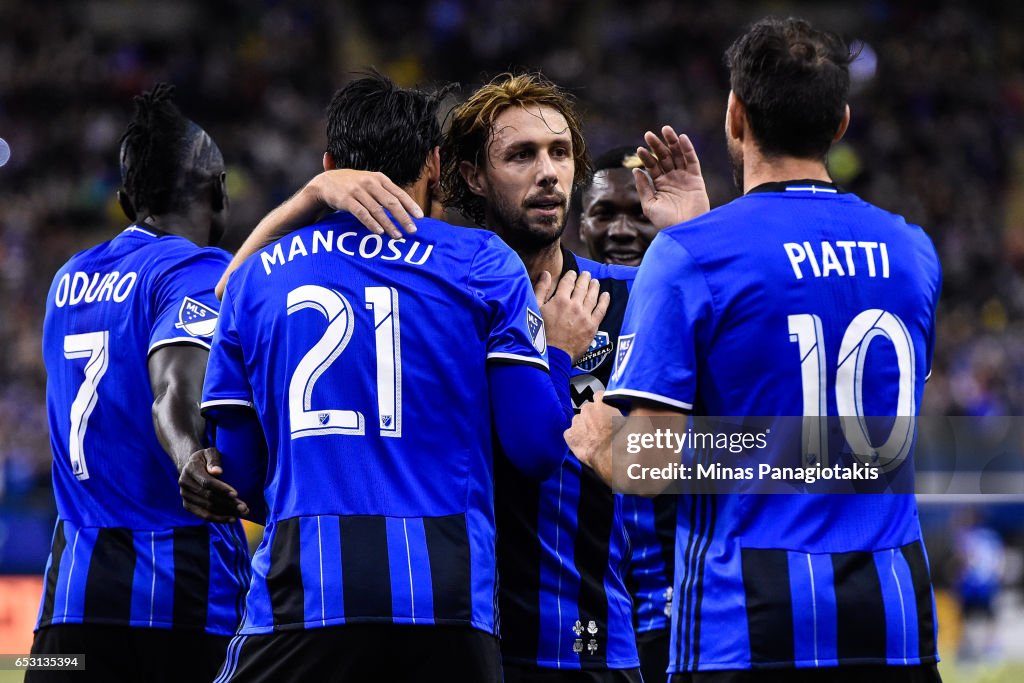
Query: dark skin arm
{"points": [[176, 375], [204, 493]]}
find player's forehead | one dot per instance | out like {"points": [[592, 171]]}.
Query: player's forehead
{"points": [[614, 186], [529, 124]]}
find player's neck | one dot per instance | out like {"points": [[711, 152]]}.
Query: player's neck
{"points": [[547, 258], [420, 193], [758, 170]]}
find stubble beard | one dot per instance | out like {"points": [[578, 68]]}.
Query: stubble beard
{"points": [[515, 227]]}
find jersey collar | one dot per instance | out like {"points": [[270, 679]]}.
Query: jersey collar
{"points": [[136, 228], [568, 262], [809, 186]]}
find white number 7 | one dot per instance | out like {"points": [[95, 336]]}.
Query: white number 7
{"points": [[91, 345]]}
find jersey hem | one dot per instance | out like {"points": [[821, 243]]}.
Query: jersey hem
{"points": [[574, 666], [165, 625], [804, 664], [341, 621]]}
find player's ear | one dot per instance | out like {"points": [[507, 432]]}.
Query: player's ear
{"points": [[735, 117], [219, 200], [581, 230], [434, 167], [126, 204], [329, 162], [473, 176], [843, 125]]}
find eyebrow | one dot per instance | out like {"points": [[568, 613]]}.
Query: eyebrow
{"points": [[622, 207], [517, 145]]}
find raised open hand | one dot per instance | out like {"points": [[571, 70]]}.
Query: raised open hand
{"points": [[670, 185]]}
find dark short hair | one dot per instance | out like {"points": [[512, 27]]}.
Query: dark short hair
{"points": [[472, 128], [622, 156], [165, 158], [374, 125], [793, 81]]}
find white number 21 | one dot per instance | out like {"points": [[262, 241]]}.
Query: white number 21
{"points": [[307, 421]]}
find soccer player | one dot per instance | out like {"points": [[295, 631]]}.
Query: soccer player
{"points": [[795, 299], [613, 226], [512, 156], [377, 368], [144, 589], [612, 222]]}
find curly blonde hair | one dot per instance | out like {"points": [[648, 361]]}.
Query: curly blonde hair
{"points": [[472, 127]]}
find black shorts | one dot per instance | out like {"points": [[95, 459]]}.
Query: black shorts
{"points": [[653, 648], [130, 654], [515, 673], [925, 673], [365, 652]]}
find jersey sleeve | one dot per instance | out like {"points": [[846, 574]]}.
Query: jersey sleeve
{"points": [[243, 449], [498, 277], [227, 384], [184, 305], [669, 313], [526, 395]]}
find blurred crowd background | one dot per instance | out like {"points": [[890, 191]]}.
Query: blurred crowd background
{"points": [[937, 135]]}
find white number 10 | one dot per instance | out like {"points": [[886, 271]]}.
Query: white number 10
{"points": [[806, 331], [307, 421]]}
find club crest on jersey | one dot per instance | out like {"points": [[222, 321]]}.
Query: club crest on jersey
{"points": [[624, 352], [582, 389], [535, 324], [199, 320], [600, 348]]}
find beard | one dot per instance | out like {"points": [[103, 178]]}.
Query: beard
{"points": [[519, 230], [736, 159]]}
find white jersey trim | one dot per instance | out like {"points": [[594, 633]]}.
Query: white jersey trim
{"points": [[135, 228], [178, 340], [648, 396], [225, 402], [496, 355]]}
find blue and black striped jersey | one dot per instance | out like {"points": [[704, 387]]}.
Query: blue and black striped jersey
{"points": [[793, 300], [651, 526], [562, 547], [124, 551], [365, 360]]}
